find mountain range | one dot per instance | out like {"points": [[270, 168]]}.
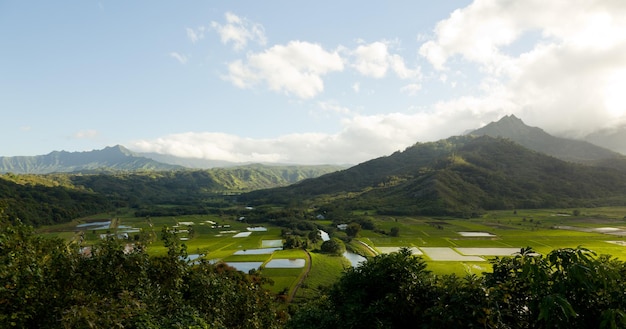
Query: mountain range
{"points": [[114, 158], [504, 165], [119, 158]]}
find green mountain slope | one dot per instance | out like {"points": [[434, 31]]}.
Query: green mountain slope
{"points": [[459, 176], [538, 140], [54, 198], [115, 158]]}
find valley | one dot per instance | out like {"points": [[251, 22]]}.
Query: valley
{"points": [[448, 245]]}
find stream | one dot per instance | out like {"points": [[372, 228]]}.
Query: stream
{"points": [[355, 259]]}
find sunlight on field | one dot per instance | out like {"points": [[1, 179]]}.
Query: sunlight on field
{"points": [[388, 250], [448, 254]]}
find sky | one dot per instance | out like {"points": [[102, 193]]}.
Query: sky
{"points": [[323, 82]]}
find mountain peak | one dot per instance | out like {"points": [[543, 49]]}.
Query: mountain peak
{"points": [[110, 158], [118, 149], [537, 139], [508, 126]]}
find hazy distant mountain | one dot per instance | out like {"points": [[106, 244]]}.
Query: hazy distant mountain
{"points": [[536, 139], [613, 138], [110, 158], [460, 176], [189, 162]]}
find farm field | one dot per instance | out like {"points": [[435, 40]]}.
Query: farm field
{"points": [[461, 246], [466, 245]]}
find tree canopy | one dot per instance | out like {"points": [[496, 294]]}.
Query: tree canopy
{"points": [[568, 288], [49, 284]]}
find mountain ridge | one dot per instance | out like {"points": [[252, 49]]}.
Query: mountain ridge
{"points": [[111, 158], [459, 176], [537, 139]]}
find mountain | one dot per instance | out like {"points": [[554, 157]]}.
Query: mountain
{"points": [[54, 198], [538, 140], [460, 176], [114, 158], [194, 163], [611, 138]]}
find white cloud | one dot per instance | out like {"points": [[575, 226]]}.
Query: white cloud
{"points": [[371, 60], [567, 79], [86, 134], [374, 60], [239, 31], [296, 68], [361, 138], [179, 57]]}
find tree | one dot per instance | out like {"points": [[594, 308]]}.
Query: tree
{"points": [[315, 236], [333, 246], [353, 229], [49, 284], [569, 287], [387, 291], [394, 231], [294, 242]]}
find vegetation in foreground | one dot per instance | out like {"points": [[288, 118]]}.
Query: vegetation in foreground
{"points": [[47, 283], [569, 288]]}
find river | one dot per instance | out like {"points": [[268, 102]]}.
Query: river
{"points": [[355, 259]]}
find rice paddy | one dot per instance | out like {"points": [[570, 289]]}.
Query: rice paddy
{"points": [[448, 245]]}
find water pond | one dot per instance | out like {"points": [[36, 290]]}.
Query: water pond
{"points": [[105, 225], [245, 266], [262, 251], [285, 263], [271, 243], [355, 259]]}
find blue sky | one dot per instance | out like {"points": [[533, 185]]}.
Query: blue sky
{"points": [[296, 82]]}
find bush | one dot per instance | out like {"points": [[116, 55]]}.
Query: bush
{"points": [[333, 246]]}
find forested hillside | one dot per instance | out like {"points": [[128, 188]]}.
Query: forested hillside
{"points": [[55, 198], [460, 176]]}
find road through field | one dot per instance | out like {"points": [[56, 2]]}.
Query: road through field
{"points": [[302, 277]]}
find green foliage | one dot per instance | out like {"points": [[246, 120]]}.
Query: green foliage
{"points": [[48, 284], [353, 229], [57, 198], [333, 246], [568, 288]]}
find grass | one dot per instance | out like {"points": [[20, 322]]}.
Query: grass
{"points": [[325, 270], [512, 229]]}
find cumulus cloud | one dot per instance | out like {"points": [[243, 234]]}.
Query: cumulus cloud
{"points": [[296, 68], [239, 31], [567, 79], [179, 57]]}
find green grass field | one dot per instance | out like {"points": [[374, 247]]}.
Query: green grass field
{"points": [[598, 229]]}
